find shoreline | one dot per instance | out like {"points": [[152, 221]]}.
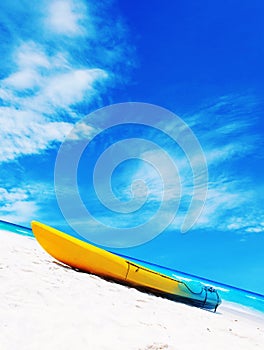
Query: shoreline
{"points": [[45, 305], [242, 310]]}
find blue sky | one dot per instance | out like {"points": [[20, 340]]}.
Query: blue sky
{"points": [[61, 60]]}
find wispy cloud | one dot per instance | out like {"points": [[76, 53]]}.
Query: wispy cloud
{"points": [[50, 65], [24, 132], [227, 132], [67, 17], [57, 59], [24, 202]]}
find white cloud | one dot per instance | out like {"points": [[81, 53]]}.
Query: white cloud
{"points": [[221, 200], [66, 16], [17, 203], [56, 82], [24, 133], [31, 55], [71, 87], [50, 73], [29, 200], [162, 174], [227, 114], [227, 136], [29, 59], [24, 210], [16, 194], [231, 206], [24, 79], [82, 130], [27, 126], [222, 153], [27, 120], [255, 229], [228, 194]]}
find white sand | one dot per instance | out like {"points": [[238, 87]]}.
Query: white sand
{"points": [[47, 306]]}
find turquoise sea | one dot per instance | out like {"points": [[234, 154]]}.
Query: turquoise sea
{"points": [[228, 293]]}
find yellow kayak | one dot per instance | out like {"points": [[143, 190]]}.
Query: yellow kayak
{"points": [[87, 257]]}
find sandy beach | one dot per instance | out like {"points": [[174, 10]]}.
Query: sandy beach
{"points": [[45, 305]]}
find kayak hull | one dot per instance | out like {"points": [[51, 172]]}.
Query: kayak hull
{"points": [[89, 258]]}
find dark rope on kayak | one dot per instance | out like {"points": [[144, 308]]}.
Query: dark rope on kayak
{"points": [[164, 276], [206, 294], [205, 289], [127, 270], [218, 301], [186, 285]]}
